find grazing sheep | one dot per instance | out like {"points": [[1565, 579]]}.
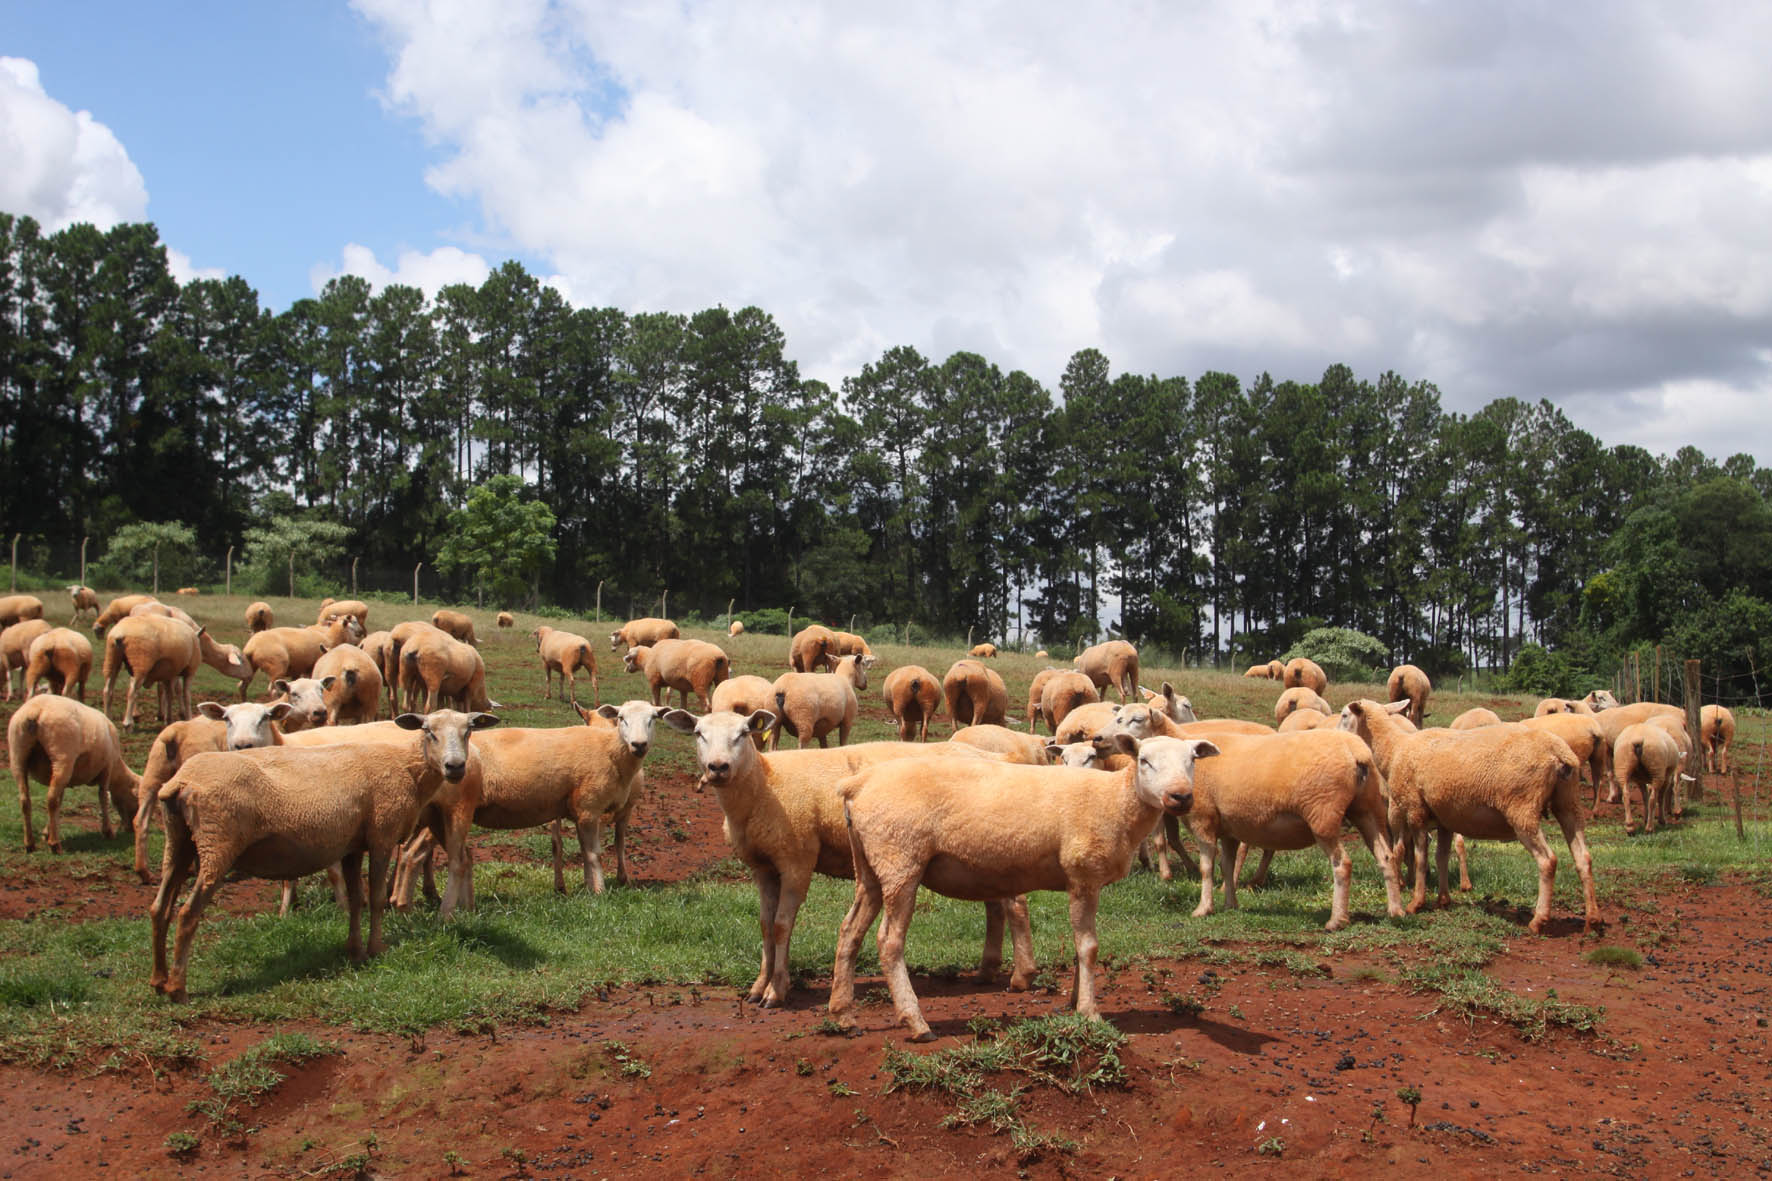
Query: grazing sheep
{"points": [[67, 744], [156, 651], [811, 705], [913, 697], [1302, 671], [14, 608], [1648, 758], [813, 647], [688, 666], [281, 813], [642, 633], [166, 611], [1586, 738], [1475, 719], [506, 619], [1111, 665], [1493, 782], [735, 628], [1258, 670], [1013, 745], [983, 651], [375, 646], [1717, 724], [975, 695], [15, 647], [784, 820], [1296, 698], [1036, 690], [339, 608], [444, 668], [259, 617], [1084, 723], [565, 653], [1042, 654], [1409, 683], [850, 644], [351, 682], [455, 624], [118, 608], [62, 656], [982, 831], [84, 599], [1062, 694], [281, 652], [1614, 718], [188, 590]]}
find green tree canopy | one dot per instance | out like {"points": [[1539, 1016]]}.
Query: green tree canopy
{"points": [[503, 539], [287, 542], [151, 552]]}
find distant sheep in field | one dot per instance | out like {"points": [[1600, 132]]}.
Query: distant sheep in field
{"points": [[913, 697], [188, 590], [118, 608], [1408, 683], [85, 599], [259, 617], [455, 624], [506, 619], [1718, 725], [735, 628], [340, 607], [850, 644], [565, 653], [688, 666], [813, 647], [16, 608], [1301, 671], [1113, 665], [642, 633], [975, 695], [983, 651]]}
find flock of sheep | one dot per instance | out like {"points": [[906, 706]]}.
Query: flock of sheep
{"points": [[310, 781]]}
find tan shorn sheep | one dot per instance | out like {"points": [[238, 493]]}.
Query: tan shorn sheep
{"points": [[967, 830], [1013, 745], [913, 697], [84, 599], [1036, 690], [1063, 694], [565, 653], [15, 647], [1717, 722], [281, 653], [1409, 683], [1112, 665], [350, 681], [118, 608], [983, 651], [745, 695], [1586, 738], [1296, 698], [1561, 705], [813, 647], [341, 607], [811, 705], [975, 695], [735, 628], [784, 820], [1302, 671], [850, 644], [1475, 719], [67, 744], [1083, 724], [1646, 757], [687, 666], [156, 651], [14, 608], [454, 624], [506, 620], [398, 637], [259, 617], [444, 668], [283, 813], [642, 633], [63, 657]]}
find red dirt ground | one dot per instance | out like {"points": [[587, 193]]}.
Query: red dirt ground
{"points": [[1675, 1082]]}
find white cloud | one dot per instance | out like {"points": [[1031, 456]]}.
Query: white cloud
{"points": [[61, 166], [1568, 200], [179, 263], [430, 272]]}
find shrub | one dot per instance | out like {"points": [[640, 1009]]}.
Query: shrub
{"points": [[1345, 654]]}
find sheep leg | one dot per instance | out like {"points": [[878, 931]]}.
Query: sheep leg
{"points": [[287, 902], [1464, 868], [768, 898], [559, 858], [1531, 836], [1208, 855], [1566, 807], [1418, 842], [353, 866], [1237, 865], [547, 684], [787, 908], [621, 842], [992, 959], [1227, 845], [24, 798], [899, 904], [1625, 780], [1341, 870], [104, 813], [1083, 903], [188, 918], [590, 849], [1442, 865], [379, 863], [1385, 854], [175, 869], [129, 702], [1178, 844], [58, 784], [596, 692], [1021, 944], [862, 912]]}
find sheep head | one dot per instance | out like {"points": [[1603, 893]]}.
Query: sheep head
{"points": [[306, 699], [1164, 769], [445, 738], [633, 720], [635, 660], [249, 725], [1076, 754], [723, 741]]}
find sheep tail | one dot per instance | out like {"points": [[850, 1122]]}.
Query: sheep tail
{"points": [[720, 669], [916, 686], [781, 701], [585, 659]]}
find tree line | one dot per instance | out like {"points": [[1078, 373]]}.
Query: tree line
{"points": [[1210, 516]]}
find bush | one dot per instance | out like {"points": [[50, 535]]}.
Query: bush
{"points": [[1345, 654], [1543, 673], [770, 621]]}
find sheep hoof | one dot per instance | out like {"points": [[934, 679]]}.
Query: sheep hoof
{"points": [[1018, 983], [923, 1035], [1201, 912], [176, 995], [1335, 924], [1536, 926]]}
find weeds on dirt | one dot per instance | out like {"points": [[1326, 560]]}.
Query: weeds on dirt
{"points": [[1273, 1146], [631, 1064], [255, 1074], [1472, 994], [1611, 956], [181, 1145], [1411, 1096]]}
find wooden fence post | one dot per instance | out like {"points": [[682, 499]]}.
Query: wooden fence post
{"points": [[83, 542], [1693, 730], [354, 562], [1655, 689], [15, 538], [415, 571], [229, 575], [1636, 675], [599, 600]]}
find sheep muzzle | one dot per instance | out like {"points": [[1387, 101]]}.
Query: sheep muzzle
{"points": [[1178, 803]]}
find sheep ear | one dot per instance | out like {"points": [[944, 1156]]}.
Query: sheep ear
{"points": [[1148, 693], [1125, 744], [279, 711], [483, 721], [280, 685], [210, 709], [1204, 749], [680, 719], [327, 683], [602, 711], [410, 721], [1053, 750], [1169, 691], [762, 720]]}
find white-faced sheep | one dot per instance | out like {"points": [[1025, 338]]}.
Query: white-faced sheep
{"points": [[913, 697], [1302, 671], [85, 600], [1600, 700], [981, 831], [1561, 705], [444, 668], [259, 617], [811, 705], [687, 666], [117, 609], [1409, 683], [1646, 757], [14, 608], [63, 657], [1493, 782], [565, 653], [67, 744], [455, 624], [1062, 694], [1112, 665], [784, 820], [975, 695], [340, 629], [1296, 698], [638, 633], [283, 813], [813, 647], [1717, 722]]}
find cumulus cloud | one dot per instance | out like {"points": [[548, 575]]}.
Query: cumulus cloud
{"points": [[1572, 201], [61, 166], [429, 271]]}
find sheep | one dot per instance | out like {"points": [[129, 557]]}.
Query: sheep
{"points": [[340, 629], [305, 696], [637, 633], [1614, 718], [975, 695], [1077, 754], [67, 744], [156, 651], [1493, 782], [735, 628], [1562, 705], [398, 636], [1475, 719], [1307, 719], [375, 646], [1409, 683], [688, 666], [850, 644], [188, 590], [1042, 654], [1036, 690], [1299, 697], [444, 667], [15, 608], [1113, 664], [84, 599], [351, 683], [281, 652], [283, 813], [1599, 700], [505, 619], [1062, 694], [812, 648], [1673, 803], [1083, 723], [784, 819], [1646, 757], [118, 608], [913, 697], [62, 656], [15, 647], [983, 651], [1258, 670], [565, 653], [341, 607], [223, 658], [455, 624], [746, 695], [166, 611], [1717, 724], [1302, 671], [981, 831], [259, 617], [811, 705], [1586, 738], [1013, 745]]}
